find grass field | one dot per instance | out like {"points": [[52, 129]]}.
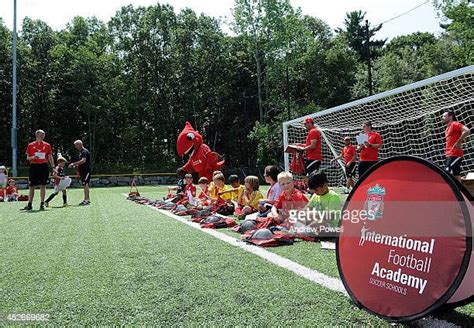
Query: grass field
{"points": [[116, 263]]}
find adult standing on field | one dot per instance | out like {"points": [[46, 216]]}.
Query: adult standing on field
{"points": [[455, 133], [39, 154], [312, 148], [369, 150], [84, 169]]}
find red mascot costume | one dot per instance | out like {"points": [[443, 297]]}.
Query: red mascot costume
{"points": [[201, 159]]}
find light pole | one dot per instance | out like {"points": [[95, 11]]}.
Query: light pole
{"points": [[14, 130]]}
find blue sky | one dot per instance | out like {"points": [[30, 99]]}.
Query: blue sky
{"points": [[58, 12]]}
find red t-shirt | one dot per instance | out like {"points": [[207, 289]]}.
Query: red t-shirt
{"points": [[453, 133], [370, 154], [42, 149], [348, 153], [314, 154], [296, 196], [191, 188], [10, 190], [204, 194]]}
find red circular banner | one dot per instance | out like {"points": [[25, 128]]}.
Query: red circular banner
{"points": [[406, 239]]}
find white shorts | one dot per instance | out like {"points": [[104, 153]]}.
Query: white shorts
{"points": [[63, 184]]}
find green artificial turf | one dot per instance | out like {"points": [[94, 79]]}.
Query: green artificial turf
{"points": [[116, 262]]}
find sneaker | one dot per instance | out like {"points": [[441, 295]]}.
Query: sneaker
{"points": [[46, 204], [65, 205], [27, 208], [84, 203], [41, 207]]}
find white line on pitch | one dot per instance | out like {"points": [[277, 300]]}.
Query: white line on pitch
{"points": [[331, 283]]}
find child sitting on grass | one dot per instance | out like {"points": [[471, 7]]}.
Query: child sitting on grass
{"points": [[212, 185], [60, 182], [290, 198], [190, 190], [248, 200], [236, 191], [327, 203], [11, 192], [203, 198], [179, 185], [219, 185]]}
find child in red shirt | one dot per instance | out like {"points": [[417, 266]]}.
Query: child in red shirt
{"points": [[11, 192], [203, 198], [190, 190], [290, 198]]}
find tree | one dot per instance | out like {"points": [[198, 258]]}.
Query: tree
{"points": [[458, 27], [355, 34]]}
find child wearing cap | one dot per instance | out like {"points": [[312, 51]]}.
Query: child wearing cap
{"points": [[61, 182]]}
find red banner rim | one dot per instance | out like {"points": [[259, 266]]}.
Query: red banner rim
{"points": [[458, 190]]}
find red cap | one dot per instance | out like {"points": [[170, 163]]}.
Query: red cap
{"points": [[308, 120]]}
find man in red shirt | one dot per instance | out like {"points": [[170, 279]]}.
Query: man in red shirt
{"points": [[369, 151], [455, 134], [313, 157], [349, 154], [38, 153]]}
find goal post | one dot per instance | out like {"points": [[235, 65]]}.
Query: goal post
{"points": [[408, 119]]}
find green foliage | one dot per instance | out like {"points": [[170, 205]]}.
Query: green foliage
{"points": [[127, 86]]}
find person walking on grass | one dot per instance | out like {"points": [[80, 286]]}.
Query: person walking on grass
{"points": [[84, 169], [39, 154], [61, 182]]}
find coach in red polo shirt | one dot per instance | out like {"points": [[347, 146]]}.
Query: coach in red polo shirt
{"points": [[38, 153], [312, 148], [369, 151], [455, 134]]}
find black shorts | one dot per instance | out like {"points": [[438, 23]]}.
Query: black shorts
{"points": [[311, 165], [85, 177], [39, 175], [453, 165], [364, 166], [350, 170]]}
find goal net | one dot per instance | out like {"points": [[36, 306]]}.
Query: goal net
{"points": [[408, 119]]}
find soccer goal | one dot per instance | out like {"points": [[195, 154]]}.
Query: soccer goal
{"points": [[408, 119]]}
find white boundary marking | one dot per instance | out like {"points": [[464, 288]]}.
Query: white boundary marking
{"points": [[331, 283], [319, 278]]}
